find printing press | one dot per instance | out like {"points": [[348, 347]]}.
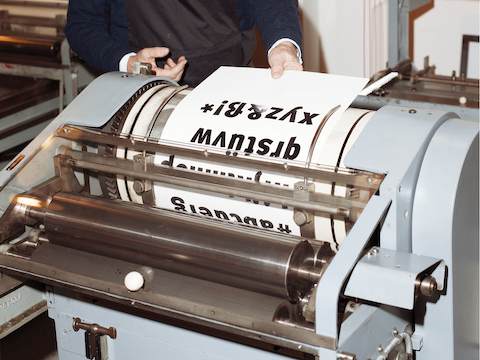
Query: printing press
{"points": [[406, 85], [149, 248], [38, 73]]}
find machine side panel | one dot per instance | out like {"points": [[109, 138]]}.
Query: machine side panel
{"points": [[377, 102], [19, 306], [369, 327], [139, 337], [445, 225], [93, 107], [330, 286], [394, 142], [392, 139], [99, 101]]}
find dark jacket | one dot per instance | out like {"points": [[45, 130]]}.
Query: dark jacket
{"points": [[97, 30]]}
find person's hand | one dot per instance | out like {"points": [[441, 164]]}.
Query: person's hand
{"points": [[283, 57], [171, 69]]}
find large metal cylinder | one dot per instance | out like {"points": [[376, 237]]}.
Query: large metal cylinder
{"points": [[149, 114], [241, 257]]}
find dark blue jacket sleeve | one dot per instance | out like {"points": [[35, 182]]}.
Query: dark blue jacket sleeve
{"points": [[277, 19], [97, 31]]}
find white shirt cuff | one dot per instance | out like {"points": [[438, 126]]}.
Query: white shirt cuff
{"points": [[123, 64], [299, 51]]}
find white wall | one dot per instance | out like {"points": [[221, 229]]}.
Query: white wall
{"points": [[350, 36], [438, 34], [337, 38]]}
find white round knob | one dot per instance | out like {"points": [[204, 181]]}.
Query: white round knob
{"points": [[134, 281], [462, 100]]}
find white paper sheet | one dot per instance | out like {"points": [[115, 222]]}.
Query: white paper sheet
{"points": [[244, 110], [293, 107]]}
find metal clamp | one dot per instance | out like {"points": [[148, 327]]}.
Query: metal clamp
{"points": [[143, 187], [303, 218], [400, 278], [142, 68]]}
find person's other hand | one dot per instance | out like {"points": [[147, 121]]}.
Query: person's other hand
{"points": [[173, 71], [283, 57]]}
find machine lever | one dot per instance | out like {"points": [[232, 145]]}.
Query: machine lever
{"points": [[93, 334]]}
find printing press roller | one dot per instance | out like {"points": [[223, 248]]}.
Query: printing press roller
{"points": [[278, 266], [146, 114]]}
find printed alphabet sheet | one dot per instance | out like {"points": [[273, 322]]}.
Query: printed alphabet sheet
{"points": [[244, 112]]}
